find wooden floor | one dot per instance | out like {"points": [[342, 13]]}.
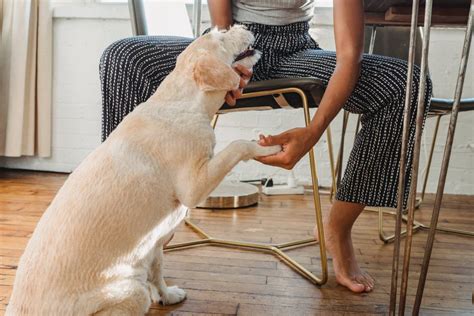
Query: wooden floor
{"points": [[236, 282]]}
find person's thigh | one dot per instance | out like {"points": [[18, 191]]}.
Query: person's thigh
{"points": [[371, 175], [130, 71], [381, 81]]}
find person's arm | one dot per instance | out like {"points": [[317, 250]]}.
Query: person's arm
{"points": [[349, 36], [221, 13], [221, 16]]}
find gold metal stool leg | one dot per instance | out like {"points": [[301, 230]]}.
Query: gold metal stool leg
{"points": [[417, 226], [428, 163], [340, 156], [214, 121], [275, 249], [390, 238], [332, 164]]}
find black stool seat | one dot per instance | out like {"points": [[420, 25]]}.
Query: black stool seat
{"points": [[313, 89], [444, 106]]}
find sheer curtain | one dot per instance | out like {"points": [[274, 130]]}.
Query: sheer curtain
{"points": [[25, 77]]}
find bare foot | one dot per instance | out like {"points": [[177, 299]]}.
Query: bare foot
{"points": [[348, 273]]}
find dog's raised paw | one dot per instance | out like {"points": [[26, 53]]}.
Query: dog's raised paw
{"points": [[262, 151], [173, 295]]}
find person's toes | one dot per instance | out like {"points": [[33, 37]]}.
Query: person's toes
{"points": [[361, 280], [352, 285], [370, 280]]}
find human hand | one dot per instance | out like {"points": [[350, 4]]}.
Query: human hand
{"points": [[295, 144], [245, 75]]}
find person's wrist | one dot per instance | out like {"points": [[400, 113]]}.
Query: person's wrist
{"points": [[313, 134], [308, 139]]}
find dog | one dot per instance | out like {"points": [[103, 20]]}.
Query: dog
{"points": [[98, 248]]}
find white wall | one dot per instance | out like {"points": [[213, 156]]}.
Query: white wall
{"points": [[82, 32]]}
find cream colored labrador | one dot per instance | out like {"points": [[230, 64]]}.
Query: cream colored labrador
{"points": [[98, 249]]}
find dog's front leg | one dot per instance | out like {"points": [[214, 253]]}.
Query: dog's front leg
{"points": [[168, 294], [197, 184]]}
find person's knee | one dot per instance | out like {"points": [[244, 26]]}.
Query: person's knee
{"points": [[399, 76], [116, 55], [416, 83]]}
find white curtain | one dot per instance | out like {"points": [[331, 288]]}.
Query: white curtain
{"points": [[25, 77]]}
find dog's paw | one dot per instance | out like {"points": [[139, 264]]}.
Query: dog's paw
{"points": [[261, 151], [251, 149], [172, 295]]}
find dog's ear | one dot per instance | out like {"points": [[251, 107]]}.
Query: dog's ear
{"points": [[211, 74]]}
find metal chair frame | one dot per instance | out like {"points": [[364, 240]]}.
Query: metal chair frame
{"points": [[139, 25], [276, 249]]}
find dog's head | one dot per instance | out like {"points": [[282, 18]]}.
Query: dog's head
{"points": [[210, 58]]}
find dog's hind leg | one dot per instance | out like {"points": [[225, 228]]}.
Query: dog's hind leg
{"points": [[125, 297], [168, 295]]}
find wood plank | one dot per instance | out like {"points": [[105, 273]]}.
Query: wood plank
{"points": [[223, 281]]}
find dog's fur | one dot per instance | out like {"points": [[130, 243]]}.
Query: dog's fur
{"points": [[98, 249]]}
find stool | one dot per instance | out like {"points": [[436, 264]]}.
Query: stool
{"points": [[266, 95], [263, 95]]}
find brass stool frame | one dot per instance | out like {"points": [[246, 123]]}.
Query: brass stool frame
{"points": [[417, 226], [275, 249]]}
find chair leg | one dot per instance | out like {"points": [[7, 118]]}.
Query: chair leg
{"points": [[390, 238], [331, 162], [357, 127], [214, 121], [445, 162], [417, 226], [316, 197], [340, 157], [275, 249], [428, 163], [403, 160], [416, 156]]}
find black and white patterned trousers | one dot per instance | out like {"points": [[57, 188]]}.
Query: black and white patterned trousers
{"points": [[131, 70]]}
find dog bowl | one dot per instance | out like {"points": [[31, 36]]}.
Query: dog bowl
{"points": [[231, 195]]}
